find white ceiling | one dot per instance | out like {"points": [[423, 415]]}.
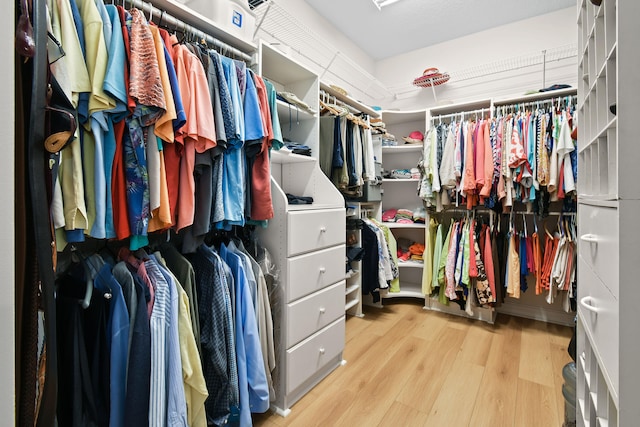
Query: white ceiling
{"points": [[412, 24]]}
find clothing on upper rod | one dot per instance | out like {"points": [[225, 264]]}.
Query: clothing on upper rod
{"points": [[346, 153], [158, 119], [162, 17], [528, 156]]}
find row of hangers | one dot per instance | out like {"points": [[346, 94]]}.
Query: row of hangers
{"points": [[188, 33], [338, 108], [558, 104]]}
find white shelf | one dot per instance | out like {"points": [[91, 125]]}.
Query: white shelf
{"points": [[285, 109], [357, 105], [404, 148], [352, 274], [285, 156], [352, 303], [388, 180], [351, 289], [391, 117], [410, 264], [404, 294], [185, 14], [401, 225]]}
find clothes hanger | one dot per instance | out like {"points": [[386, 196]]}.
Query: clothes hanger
{"points": [[78, 258], [524, 223]]}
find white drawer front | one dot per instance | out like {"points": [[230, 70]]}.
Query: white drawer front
{"points": [[313, 271], [306, 358], [598, 243], [314, 312], [598, 309], [312, 230]]}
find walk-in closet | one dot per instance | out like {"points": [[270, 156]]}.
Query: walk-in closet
{"points": [[320, 213]]}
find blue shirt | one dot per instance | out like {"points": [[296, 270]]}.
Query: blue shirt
{"points": [[216, 335], [176, 402], [233, 172], [252, 380], [117, 336]]}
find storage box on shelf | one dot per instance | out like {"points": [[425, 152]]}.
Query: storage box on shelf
{"points": [[287, 75], [608, 381], [308, 244], [230, 21]]}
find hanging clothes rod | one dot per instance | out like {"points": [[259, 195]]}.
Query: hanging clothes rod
{"points": [[567, 100], [548, 213], [461, 114], [161, 17]]}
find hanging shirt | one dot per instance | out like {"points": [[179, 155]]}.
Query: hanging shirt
{"points": [[261, 201], [252, 381], [176, 402], [217, 336], [118, 336], [233, 184]]}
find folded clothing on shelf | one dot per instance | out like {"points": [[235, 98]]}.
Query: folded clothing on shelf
{"points": [[298, 148], [404, 216], [389, 215], [299, 200], [291, 98]]}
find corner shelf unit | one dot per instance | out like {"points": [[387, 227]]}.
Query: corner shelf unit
{"points": [[608, 349], [401, 193]]}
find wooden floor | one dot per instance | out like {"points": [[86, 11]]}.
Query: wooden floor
{"points": [[409, 367]]}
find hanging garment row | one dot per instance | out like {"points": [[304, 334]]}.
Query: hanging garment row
{"points": [[474, 263], [172, 134], [527, 156], [346, 150], [380, 273], [159, 339]]}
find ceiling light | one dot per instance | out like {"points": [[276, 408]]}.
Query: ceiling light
{"points": [[382, 3]]}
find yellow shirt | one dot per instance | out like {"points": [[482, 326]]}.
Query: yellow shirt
{"points": [[96, 55], [195, 388], [164, 125]]}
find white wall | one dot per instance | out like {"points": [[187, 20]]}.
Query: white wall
{"points": [[7, 256], [317, 44], [486, 47]]}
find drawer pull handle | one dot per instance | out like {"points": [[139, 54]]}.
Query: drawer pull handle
{"points": [[322, 269], [587, 302], [322, 310], [590, 238], [323, 229], [321, 350]]}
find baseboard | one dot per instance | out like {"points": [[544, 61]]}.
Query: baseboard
{"points": [[541, 313]]}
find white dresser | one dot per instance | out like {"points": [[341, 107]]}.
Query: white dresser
{"points": [[308, 244], [608, 356]]}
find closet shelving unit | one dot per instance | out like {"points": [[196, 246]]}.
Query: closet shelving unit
{"points": [[288, 75], [402, 193], [307, 243], [353, 292], [356, 209], [608, 378]]}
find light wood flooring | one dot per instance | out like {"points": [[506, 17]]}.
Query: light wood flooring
{"points": [[409, 367]]}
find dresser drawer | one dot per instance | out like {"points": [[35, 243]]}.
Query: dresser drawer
{"points": [[314, 312], [306, 358], [598, 311], [313, 230], [313, 271], [598, 243]]}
